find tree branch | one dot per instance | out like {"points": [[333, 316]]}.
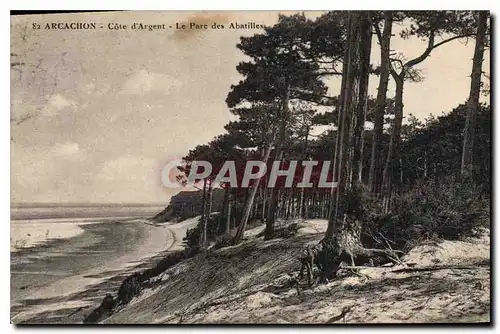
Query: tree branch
{"points": [[431, 46], [449, 40], [327, 73], [425, 54]]}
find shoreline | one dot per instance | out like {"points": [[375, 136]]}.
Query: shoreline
{"points": [[80, 269], [58, 222]]}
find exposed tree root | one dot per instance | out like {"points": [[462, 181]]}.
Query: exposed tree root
{"points": [[342, 314], [345, 247]]}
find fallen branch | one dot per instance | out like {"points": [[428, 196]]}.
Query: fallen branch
{"points": [[380, 251], [359, 267], [435, 268]]}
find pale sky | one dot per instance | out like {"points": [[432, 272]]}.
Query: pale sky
{"points": [[101, 112]]}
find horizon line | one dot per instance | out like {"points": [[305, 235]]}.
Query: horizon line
{"points": [[89, 203]]}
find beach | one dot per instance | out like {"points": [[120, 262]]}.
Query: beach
{"points": [[54, 278]]}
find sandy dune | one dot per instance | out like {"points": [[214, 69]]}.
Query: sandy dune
{"points": [[254, 283]]}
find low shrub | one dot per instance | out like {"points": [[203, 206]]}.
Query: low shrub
{"points": [[215, 228], [448, 210]]}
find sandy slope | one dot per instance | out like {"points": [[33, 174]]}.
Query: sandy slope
{"points": [[252, 283]]}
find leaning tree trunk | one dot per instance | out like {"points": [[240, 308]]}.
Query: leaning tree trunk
{"points": [[249, 203], [473, 101], [375, 175], [273, 205]]}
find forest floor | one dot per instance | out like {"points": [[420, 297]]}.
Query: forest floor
{"points": [[444, 281]]}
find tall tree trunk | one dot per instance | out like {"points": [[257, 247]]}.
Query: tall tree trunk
{"points": [[473, 101], [282, 203], [210, 198], [359, 115], [338, 138], [255, 211], [225, 204], [262, 196], [375, 175], [203, 215], [264, 202], [287, 202], [273, 205], [249, 203], [324, 205], [327, 205], [307, 204], [345, 244], [390, 172], [393, 153], [313, 202], [269, 231], [301, 204], [207, 215], [228, 217], [350, 90]]}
